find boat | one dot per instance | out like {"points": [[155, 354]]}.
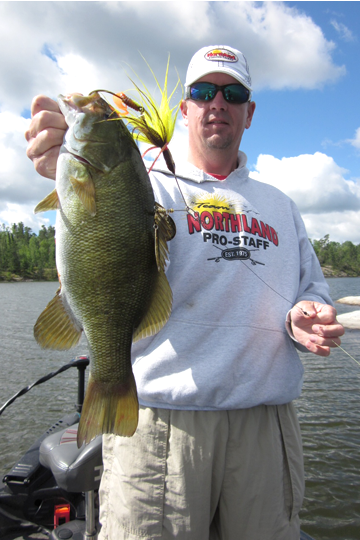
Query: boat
{"points": [[52, 490]]}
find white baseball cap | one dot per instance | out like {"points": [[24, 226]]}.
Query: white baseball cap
{"points": [[219, 59]]}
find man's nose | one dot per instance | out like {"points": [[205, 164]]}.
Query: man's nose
{"points": [[219, 102]]}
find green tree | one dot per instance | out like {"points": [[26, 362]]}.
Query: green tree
{"points": [[24, 253]]}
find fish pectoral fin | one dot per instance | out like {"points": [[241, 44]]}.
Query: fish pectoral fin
{"points": [[55, 328], [109, 407], [159, 309], [165, 230], [84, 188], [51, 202]]}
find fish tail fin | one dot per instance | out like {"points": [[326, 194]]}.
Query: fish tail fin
{"points": [[108, 408]]}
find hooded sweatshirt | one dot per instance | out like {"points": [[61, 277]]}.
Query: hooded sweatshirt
{"points": [[239, 261]]}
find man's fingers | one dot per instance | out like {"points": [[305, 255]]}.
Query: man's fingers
{"points": [[45, 140], [45, 135], [320, 351], [41, 103], [325, 342], [45, 120], [329, 331], [45, 162]]}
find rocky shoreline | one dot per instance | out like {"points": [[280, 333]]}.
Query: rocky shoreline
{"points": [[14, 278], [329, 272]]}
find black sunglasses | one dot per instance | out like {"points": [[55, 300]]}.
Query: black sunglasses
{"points": [[206, 91]]}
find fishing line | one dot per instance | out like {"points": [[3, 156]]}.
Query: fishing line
{"points": [[339, 346], [298, 307], [274, 290], [189, 210]]}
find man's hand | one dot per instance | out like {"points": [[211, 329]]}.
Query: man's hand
{"points": [[45, 135], [314, 325]]}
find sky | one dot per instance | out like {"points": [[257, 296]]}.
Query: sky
{"points": [[304, 63]]}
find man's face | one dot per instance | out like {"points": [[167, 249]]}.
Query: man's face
{"points": [[216, 124]]}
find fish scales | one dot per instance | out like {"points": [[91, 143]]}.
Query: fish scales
{"points": [[118, 304], [111, 283]]}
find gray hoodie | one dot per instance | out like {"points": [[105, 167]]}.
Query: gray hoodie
{"points": [[239, 261]]}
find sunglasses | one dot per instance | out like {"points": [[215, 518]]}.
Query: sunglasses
{"points": [[205, 91]]}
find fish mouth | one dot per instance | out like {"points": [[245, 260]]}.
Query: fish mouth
{"points": [[79, 158], [86, 162]]}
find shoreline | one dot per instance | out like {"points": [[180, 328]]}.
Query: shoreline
{"points": [[328, 272], [19, 279]]}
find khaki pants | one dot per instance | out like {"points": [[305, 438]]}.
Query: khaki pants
{"points": [[199, 475]]}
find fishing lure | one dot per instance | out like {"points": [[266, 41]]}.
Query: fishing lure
{"points": [[153, 124], [122, 100]]}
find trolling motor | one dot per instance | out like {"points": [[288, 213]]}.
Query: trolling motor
{"points": [[54, 485]]}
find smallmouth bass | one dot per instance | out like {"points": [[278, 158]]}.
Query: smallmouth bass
{"points": [[111, 251]]}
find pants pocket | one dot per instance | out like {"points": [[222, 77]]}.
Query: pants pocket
{"points": [[132, 492]]}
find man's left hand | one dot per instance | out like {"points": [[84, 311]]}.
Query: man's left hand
{"points": [[314, 325]]}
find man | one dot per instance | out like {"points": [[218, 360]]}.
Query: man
{"points": [[217, 453]]}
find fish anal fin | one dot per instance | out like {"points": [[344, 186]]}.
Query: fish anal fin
{"points": [[158, 311], [51, 202], [84, 188], [55, 327], [109, 407], [165, 230]]}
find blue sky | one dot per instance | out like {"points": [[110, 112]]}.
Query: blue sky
{"points": [[319, 119], [304, 61]]}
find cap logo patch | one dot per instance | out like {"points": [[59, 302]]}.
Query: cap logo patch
{"points": [[221, 55]]}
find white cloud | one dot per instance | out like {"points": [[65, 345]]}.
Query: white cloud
{"points": [[344, 32], [328, 202], [340, 226], [77, 73], [15, 213], [356, 141], [284, 47], [314, 181]]}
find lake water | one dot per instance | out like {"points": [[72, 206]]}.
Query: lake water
{"points": [[329, 409], [329, 412]]}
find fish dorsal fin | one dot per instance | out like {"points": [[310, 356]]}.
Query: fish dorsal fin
{"points": [[159, 309], [165, 230], [84, 188], [51, 202], [55, 327]]}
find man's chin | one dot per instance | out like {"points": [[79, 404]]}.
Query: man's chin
{"points": [[218, 142]]}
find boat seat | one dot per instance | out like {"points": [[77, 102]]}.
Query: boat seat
{"points": [[75, 469]]}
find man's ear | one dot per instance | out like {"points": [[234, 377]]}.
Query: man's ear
{"points": [[251, 110], [183, 108]]}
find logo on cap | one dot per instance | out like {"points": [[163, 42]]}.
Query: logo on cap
{"points": [[221, 54]]}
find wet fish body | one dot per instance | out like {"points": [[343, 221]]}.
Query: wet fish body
{"points": [[110, 260]]}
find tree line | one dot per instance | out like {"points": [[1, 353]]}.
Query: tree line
{"points": [[342, 257], [26, 254]]}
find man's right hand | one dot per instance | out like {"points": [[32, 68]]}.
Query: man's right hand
{"points": [[45, 135]]}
